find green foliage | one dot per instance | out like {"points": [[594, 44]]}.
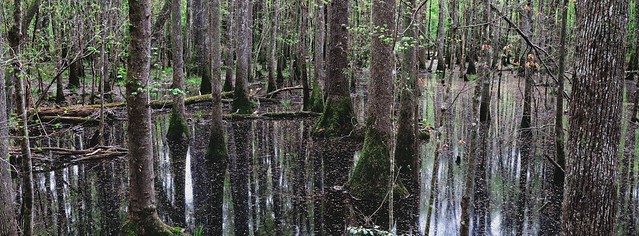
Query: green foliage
{"points": [[376, 230], [286, 103], [199, 231]]}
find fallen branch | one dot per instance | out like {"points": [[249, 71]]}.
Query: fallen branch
{"points": [[554, 163], [272, 94]]}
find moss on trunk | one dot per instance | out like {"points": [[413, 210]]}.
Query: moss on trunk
{"points": [[178, 130], [316, 102], [372, 172], [151, 226], [241, 103], [336, 120]]}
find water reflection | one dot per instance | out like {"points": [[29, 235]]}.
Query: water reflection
{"points": [[282, 181]]}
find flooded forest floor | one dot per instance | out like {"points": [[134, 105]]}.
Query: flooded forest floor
{"points": [[295, 180]]}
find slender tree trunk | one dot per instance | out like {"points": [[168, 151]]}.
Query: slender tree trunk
{"points": [[441, 35], [551, 218], [142, 214], [15, 40], [200, 42], [338, 117], [216, 159], [481, 200], [230, 47], [8, 223], [301, 55], [241, 103], [525, 133], [595, 118]]}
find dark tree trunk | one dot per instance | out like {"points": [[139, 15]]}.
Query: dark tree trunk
{"points": [[200, 44], [372, 174], [8, 223], [590, 205], [216, 159], [230, 48], [75, 70], [551, 216], [338, 117], [142, 214], [241, 102]]}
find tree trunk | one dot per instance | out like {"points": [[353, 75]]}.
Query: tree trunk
{"points": [[525, 133], [441, 35], [338, 117], [178, 132], [230, 48], [589, 205], [301, 54], [241, 103], [142, 214], [216, 159], [15, 41], [200, 42], [551, 216], [8, 223], [372, 172]]}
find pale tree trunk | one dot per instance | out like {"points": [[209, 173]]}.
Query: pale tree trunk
{"points": [[338, 117], [241, 103], [589, 204], [142, 214], [8, 223]]}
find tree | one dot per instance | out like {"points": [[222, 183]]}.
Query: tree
{"points": [[216, 157], [589, 203], [200, 44], [8, 223], [241, 102], [372, 171], [177, 128], [142, 216], [338, 117], [15, 40]]}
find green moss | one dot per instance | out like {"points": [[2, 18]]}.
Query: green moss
{"points": [[178, 130], [337, 118], [241, 103], [216, 150], [316, 101], [371, 175], [152, 226]]}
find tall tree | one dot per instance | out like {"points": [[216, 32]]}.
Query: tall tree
{"points": [[177, 133], [8, 223], [15, 40], [589, 204], [200, 42], [338, 117], [372, 171], [216, 159], [551, 216], [241, 102], [230, 47], [142, 214]]}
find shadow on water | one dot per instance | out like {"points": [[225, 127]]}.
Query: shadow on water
{"points": [[282, 181]]}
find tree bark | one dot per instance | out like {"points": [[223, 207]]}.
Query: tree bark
{"points": [[8, 223], [241, 103], [589, 204], [230, 48], [216, 159], [338, 117], [142, 214], [372, 171]]}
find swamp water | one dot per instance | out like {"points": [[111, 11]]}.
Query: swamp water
{"points": [[288, 178]]}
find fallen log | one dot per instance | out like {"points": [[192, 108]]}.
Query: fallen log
{"points": [[272, 94]]}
